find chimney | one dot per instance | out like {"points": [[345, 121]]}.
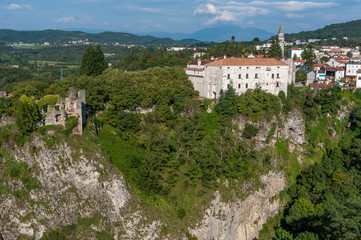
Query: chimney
{"points": [[212, 58], [199, 62], [225, 56]]}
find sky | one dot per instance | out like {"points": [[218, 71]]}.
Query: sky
{"points": [[187, 16]]}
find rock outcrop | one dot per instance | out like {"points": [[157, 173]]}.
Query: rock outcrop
{"points": [[242, 219], [71, 187]]}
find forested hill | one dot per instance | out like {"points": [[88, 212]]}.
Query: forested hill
{"points": [[349, 29], [58, 36]]}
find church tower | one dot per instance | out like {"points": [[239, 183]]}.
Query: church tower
{"points": [[281, 38]]}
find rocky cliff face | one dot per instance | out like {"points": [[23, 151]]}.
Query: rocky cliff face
{"points": [[70, 188], [242, 219]]}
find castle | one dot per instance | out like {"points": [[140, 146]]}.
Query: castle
{"points": [[73, 105], [272, 75]]}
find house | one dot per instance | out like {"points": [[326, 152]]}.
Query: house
{"points": [[299, 63], [270, 74], [338, 61], [355, 53], [263, 47], [345, 50], [358, 79], [3, 94], [336, 52], [340, 73], [351, 72], [295, 53]]}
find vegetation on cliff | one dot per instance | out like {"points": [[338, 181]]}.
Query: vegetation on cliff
{"points": [[175, 150]]}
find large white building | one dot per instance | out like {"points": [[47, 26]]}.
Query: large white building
{"points": [[270, 74]]}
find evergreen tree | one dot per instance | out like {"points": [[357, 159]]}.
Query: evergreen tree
{"points": [[308, 55], [275, 50], [92, 62]]}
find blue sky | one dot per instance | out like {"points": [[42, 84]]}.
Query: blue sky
{"points": [[187, 16]]}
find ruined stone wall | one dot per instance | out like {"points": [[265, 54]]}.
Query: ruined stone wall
{"points": [[73, 105]]}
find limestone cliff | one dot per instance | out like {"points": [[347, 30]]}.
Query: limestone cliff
{"points": [[242, 219], [71, 187]]}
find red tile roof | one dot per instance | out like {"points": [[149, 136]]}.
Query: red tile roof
{"points": [[194, 69], [247, 62]]}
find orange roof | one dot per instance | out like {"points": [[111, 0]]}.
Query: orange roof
{"points": [[299, 60], [194, 69], [247, 62]]}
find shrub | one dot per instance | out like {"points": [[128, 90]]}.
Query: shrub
{"points": [[71, 123], [250, 131]]}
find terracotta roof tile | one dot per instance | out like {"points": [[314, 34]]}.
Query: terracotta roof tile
{"points": [[247, 62], [194, 69]]}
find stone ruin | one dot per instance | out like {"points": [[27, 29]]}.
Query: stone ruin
{"points": [[73, 105]]}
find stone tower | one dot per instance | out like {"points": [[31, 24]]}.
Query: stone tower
{"points": [[281, 38]]}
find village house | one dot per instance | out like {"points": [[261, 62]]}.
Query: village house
{"points": [[353, 72], [295, 53]]}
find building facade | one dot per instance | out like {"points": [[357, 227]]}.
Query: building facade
{"points": [[269, 74]]}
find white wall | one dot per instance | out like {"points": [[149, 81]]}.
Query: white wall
{"points": [[216, 78]]}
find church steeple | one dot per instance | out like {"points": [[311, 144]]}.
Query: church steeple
{"points": [[281, 38]]}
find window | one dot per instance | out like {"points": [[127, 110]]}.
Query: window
{"points": [[256, 75], [239, 76], [239, 85], [228, 76], [228, 86], [277, 84], [278, 75], [247, 76], [273, 75], [246, 85]]}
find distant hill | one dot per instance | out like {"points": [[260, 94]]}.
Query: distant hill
{"points": [[218, 34], [349, 29], [59, 36]]}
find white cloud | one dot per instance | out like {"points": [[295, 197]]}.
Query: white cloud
{"points": [[15, 6], [294, 5], [66, 20], [231, 11], [223, 10]]}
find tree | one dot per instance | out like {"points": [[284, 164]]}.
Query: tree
{"points": [[308, 55], [92, 62], [301, 76], [227, 103], [275, 50], [27, 114]]}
